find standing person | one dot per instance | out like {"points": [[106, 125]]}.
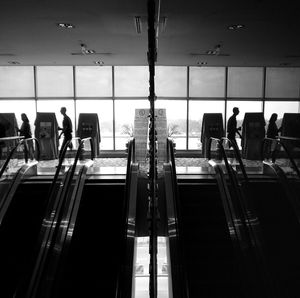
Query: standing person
{"points": [[66, 129], [272, 133], [25, 131], [231, 126], [2, 135], [273, 130]]}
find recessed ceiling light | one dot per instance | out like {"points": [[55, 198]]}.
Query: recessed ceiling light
{"points": [[201, 63], [13, 62], [236, 27], [65, 25], [100, 63], [284, 64]]}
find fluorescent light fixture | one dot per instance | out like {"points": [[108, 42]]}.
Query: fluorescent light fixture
{"points": [[138, 24], [100, 63]]}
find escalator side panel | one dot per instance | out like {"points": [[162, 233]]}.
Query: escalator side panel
{"points": [[93, 260], [19, 232], [281, 232], [211, 263]]}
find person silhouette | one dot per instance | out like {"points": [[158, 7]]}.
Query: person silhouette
{"points": [[232, 126], [272, 133], [66, 129], [25, 131], [273, 130], [2, 135]]}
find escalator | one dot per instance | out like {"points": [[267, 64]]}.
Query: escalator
{"points": [[277, 212], [209, 235], [91, 253], [210, 259], [23, 204]]}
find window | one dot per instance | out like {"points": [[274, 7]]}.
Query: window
{"points": [[196, 111], [54, 106], [93, 81], [244, 107], [131, 81], [171, 81], [124, 117], [16, 81], [176, 120], [283, 82], [207, 82], [280, 107], [104, 109], [245, 82], [18, 107], [55, 81]]}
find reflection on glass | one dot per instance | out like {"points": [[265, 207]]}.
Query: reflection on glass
{"points": [[93, 81], [124, 115], [245, 82], [104, 109], [54, 81], [131, 81], [282, 82], [54, 106], [141, 288], [207, 81], [280, 107], [18, 107], [176, 120], [16, 81], [196, 111], [171, 81]]}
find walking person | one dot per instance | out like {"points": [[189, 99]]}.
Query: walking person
{"points": [[232, 129], [66, 130]]}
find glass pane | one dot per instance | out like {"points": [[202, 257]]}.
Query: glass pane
{"points": [[171, 81], [124, 117], [16, 81], [245, 82], [280, 107], [93, 81], [282, 82], [176, 120], [244, 107], [18, 107], [54, 81], [54, 106], [207, 81], [104, 109], [131, 81], [196, 111]]}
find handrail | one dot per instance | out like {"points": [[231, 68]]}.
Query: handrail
{"points": [[11, 154], [54, 216], [235, 149], [171, 160], [274, 153]]}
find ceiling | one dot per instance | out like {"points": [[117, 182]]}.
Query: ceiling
{"points": [[29, 34]]}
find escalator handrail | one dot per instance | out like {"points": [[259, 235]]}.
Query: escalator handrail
{"points": [[26, 150], [224, 154], [278, 140], [11, 154], [171, 160], [66, 222], [243, 214], [55, 201]]}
